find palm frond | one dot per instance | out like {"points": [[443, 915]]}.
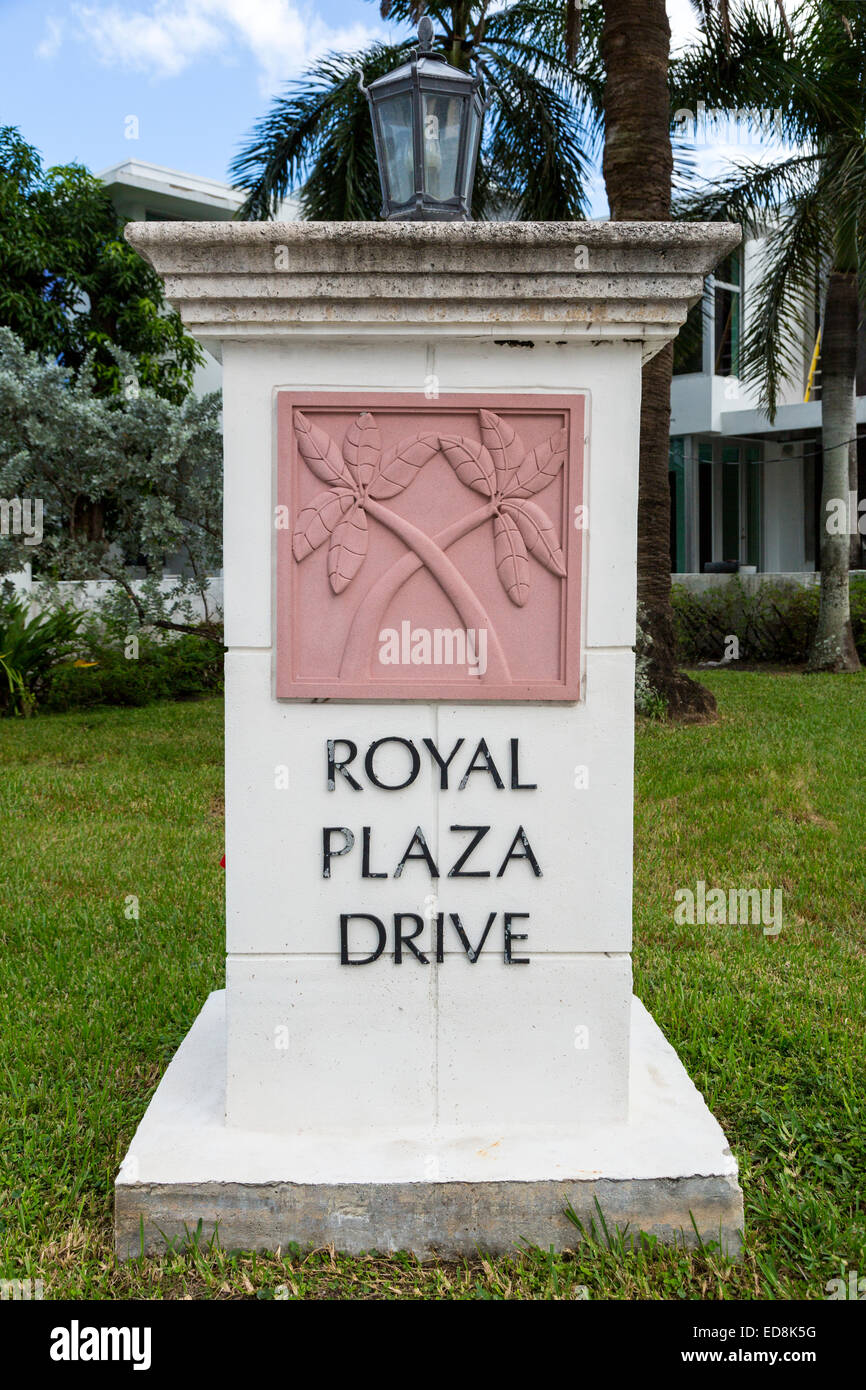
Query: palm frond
{"points": [[742, 59], [535, 148], [844, 175], [813, 84], [780, 6], [781, 307], [534, 32], [750, 193], [318, 134], [709, 10], [410, 12], [789, 205]]}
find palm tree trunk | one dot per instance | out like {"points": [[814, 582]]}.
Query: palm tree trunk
{"points": [[833, 648], [638, 166], [638, 160]]}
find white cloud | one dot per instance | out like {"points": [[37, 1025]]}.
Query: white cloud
{"points": [[167, 36], [710, 161], [162, 42], [683, 22], [164, 37], [49, 44]]}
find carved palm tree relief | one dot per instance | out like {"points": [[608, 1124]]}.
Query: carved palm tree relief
{"points": [[499, 468], [361, 479]]}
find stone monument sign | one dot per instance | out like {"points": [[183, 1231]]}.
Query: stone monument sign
{"points": [[428, 1038]]}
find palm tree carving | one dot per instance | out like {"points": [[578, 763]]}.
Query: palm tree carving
{"points": [[501, 469], [356, 478], [360, 478]]}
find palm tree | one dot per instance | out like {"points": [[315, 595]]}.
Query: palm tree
{"points": [[811, 205], [638, 170], [541, 132]]}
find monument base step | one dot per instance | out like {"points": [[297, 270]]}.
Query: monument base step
{"points": [[668, 1170]]}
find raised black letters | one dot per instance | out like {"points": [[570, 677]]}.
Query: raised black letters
{"points": [[401, 939], [487, 766], [327, 853], [473, 952], [366, 871], [520, 838], [419, 840], [342, 766], [456, 871], [510, 936], [345, 919], [443, 764], [413, 753], [516, 784]]}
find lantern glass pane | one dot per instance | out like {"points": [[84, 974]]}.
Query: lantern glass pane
{"points": [[443, 116], [395, 119], [474, 122]]}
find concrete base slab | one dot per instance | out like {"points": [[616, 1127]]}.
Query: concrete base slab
{"points": [[668, 1170]]}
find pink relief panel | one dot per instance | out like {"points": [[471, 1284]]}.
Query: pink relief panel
{"points": [[429, 550]]}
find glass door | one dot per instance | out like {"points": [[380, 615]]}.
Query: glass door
{"points": [[731, 500], [729, 491]]}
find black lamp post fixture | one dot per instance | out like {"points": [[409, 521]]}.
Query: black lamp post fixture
{"points": [[427, 118]]}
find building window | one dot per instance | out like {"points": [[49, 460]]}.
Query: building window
{"points": [[677, 484], [730, 504], [723, 292], [727, 307], [730, 521], [812, 388], [754, 473], [689, 342], [705, 504]]}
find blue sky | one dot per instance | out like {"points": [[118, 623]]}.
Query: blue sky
{"points": [[195, 73]]}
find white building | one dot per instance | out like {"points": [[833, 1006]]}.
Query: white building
{"points": [[144, 192], [743, 489]]}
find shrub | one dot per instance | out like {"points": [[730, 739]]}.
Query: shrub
{"points": [[179, 668], [29, 650], [194, 667], [112, 680], [774, 623]]}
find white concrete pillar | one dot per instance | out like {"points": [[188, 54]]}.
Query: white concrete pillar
{"points": [[426, 1073]]}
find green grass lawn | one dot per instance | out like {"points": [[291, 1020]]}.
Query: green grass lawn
{"points": [[113, 811]]}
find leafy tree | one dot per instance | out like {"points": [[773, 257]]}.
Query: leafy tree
{"points": [[71, 286], [123, 481], [812, 207], [542, 128]]}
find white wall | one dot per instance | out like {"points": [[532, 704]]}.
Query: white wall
{"points": [[87, 594], [470, 1046]]}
